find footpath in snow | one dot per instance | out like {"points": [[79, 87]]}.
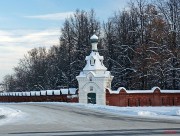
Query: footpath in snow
{"points": [[149, 112]]}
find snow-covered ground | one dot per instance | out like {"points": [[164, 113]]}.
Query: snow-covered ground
{"points": [[149, 112], [8, 115]]}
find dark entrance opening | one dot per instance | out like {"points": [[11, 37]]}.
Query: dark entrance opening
{"points": [[91, 98]]}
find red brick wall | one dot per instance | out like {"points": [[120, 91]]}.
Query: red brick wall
{"points": [[47, 98], [142, 99], [121, 99]]}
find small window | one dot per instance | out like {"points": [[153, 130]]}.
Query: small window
{"points": [[92, 61], [90, 78], [91, 88]]}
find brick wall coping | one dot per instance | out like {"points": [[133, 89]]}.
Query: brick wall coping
{"points": [[153, 90], [63, 91]]}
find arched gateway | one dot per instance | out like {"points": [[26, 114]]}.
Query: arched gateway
{"points": [[94, 79], [91, 98]]}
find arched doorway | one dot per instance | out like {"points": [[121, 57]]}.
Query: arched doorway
{"points": [[91, 98]]}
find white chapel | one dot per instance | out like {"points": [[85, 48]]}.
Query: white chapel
{"points": [[94, 79]]}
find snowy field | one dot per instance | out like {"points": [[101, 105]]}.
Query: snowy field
{"points": [[8, 115]]}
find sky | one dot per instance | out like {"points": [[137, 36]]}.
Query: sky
{"points": [[27, 24]]}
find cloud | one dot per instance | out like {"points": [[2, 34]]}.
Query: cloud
{"points": [[15, 44], [30, 38], [54, 16]]}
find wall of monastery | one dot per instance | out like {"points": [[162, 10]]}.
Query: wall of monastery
{"points": [[63, 95], [121, 98], [155, 98]]}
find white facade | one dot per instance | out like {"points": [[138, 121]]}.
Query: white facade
{"points": [[94, 79]]}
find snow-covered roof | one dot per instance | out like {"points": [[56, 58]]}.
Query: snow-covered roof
{"points": [[97, 66]]}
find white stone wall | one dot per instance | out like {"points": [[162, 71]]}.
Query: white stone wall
{"points": [[99, 85]]}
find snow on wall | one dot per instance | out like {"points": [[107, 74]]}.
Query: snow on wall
{"points": [[72, 91], [43, 92], [49, 92], [141, 91], [28, 94], [170, 91], [64, 91]]}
